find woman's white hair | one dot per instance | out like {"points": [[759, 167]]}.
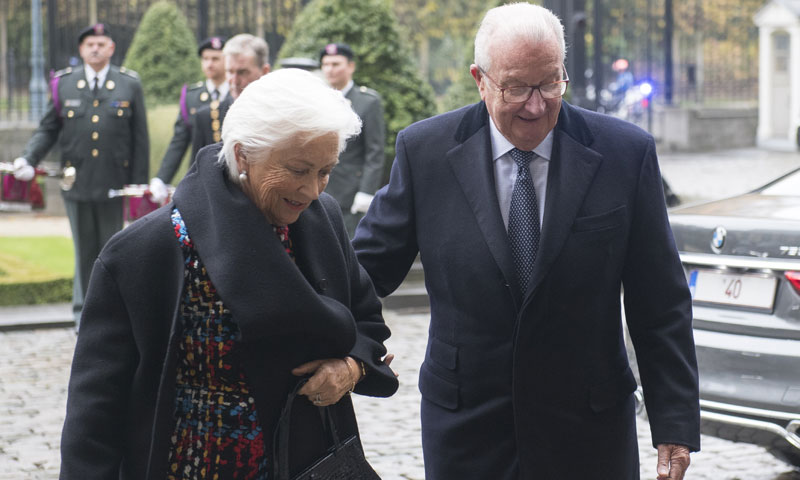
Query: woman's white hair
{"points": [[281, 108], [516, 22]]}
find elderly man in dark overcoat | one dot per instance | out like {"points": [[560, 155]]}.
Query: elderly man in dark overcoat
{"points": [[529, 216]]}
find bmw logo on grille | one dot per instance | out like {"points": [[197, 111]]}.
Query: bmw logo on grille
{"points": [[718, 239]]}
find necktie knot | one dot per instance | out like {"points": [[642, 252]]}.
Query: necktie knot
{"points": [[521, 157], [215, 94]]}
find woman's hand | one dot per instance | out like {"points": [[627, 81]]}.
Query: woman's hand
{"points": [[332, 378]]}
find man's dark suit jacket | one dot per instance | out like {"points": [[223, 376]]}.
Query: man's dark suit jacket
{"points": [[203, 126], [536, 384], [193, 98]]}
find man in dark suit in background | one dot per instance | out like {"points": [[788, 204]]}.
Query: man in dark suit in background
{"points": [[529, 215], [97, 114], [246, 60], [358, 175], [193, 98]]}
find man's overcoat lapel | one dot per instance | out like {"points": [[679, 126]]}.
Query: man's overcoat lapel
{"points": [[572, 167], [471, 162]]}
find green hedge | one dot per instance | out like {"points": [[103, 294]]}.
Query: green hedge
{"points": [[36, 293], [164, 53], [383, 60]]}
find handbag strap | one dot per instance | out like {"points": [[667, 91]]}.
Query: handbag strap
{"points": [[280, 444]]}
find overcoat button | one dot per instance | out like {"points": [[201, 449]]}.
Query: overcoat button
{"points": [[323, 284]]}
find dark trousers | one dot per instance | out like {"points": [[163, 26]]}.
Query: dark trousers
{"points": [[92, 224]]}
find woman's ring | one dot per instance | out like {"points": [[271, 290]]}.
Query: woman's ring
{"points": [[318, 398]]}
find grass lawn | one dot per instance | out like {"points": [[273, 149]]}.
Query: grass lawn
{"points": [[35, 270], [160, 123]]}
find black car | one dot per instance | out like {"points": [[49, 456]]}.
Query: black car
{"points": [[741, 256]]}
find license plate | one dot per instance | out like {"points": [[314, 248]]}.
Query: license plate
{"points": [[742, 290]]}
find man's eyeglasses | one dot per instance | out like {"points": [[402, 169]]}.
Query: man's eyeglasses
{"points": [[521, 94]]}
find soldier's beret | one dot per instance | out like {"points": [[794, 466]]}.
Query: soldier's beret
{"points": [[96, 29], [214, 43], [336, 49]]}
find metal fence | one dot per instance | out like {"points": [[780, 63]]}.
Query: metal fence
{"points": [[713, 46], [64, 19]]}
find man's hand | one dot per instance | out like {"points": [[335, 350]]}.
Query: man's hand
{"points": [[673, 460], [158, 191], [361, 203], [22, 171]]}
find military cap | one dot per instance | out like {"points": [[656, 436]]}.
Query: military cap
{"points": [[336, 49], [96, 29], [214, 43]]}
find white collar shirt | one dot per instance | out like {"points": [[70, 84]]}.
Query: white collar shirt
{"points": [[505, 170], [347, 88], [91, 74], [223, 89]]}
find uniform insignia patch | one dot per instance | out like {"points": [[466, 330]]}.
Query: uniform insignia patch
{"points": [[81, 83], [110, 84], [72, 102], [204, 96]]}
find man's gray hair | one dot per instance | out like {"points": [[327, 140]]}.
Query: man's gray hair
{"points": [[250, 45], [285, 107], [516, 22]]}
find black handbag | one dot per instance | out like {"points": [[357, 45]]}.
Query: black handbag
{"points": [[344, 460]]}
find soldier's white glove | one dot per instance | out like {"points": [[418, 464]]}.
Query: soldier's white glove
{"points": [[158, 190], [361, 203], [23, 171]]}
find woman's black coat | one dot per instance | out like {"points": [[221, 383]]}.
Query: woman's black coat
{"points": [[120, 408]]}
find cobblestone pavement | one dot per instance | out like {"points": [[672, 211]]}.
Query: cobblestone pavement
{"points": [[34, 369]]}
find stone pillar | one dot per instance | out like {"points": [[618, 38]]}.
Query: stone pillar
{"points": [[765, 55], [794, 79]]}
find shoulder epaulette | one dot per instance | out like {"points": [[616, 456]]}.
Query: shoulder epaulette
{"points": [[196, 85], [128, 72], [63, 72], [368, 91]]}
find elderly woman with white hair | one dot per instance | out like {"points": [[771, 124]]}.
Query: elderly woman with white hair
{"points": [[202, 316]]}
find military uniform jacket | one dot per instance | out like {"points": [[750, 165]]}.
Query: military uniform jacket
{"points": [[360, 167], [193, 98], [104, 138], [207, 126]]}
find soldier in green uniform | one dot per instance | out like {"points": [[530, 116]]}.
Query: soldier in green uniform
{"points": [[246, 60], [97, 114], [359, 173], [193, 98]]}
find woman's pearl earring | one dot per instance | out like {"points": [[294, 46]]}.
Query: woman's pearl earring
{"points": [[243, 176]]}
